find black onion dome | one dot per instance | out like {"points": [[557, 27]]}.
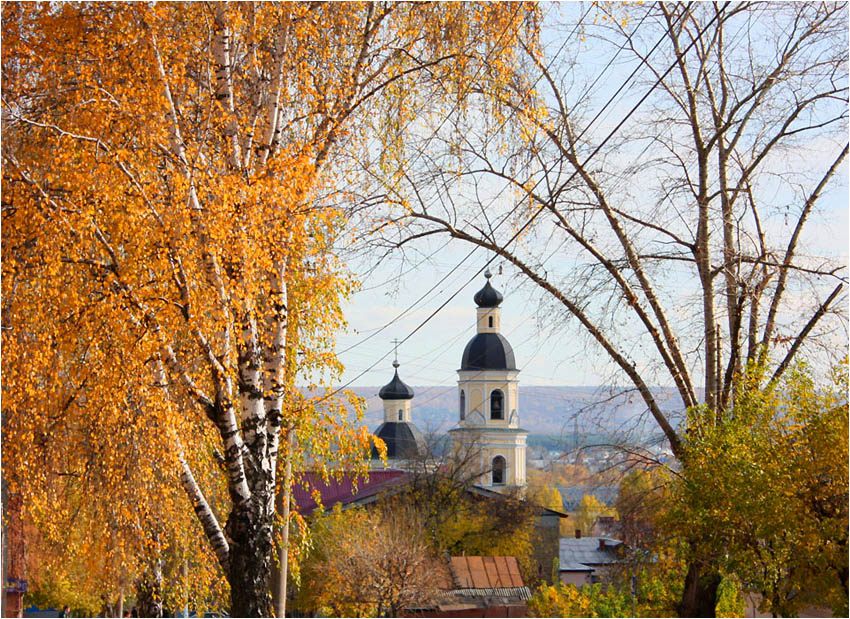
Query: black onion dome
{"points": [[488, 296], [395, 389], [488, 351], [402, 438]]}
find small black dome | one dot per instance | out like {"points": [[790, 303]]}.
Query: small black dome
{"points": [[488, 296], [402, 438], [395, 389], [488, 351]]}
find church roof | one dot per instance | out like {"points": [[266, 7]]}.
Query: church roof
{"points": [[488, 351], [488, 296], [395, 389], [402, 438]]}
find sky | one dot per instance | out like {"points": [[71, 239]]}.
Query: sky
{"points": [[397, 298]]}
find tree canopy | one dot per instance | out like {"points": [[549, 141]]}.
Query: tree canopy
{"points": [[765, 491], [172, 187], [672, 217]]}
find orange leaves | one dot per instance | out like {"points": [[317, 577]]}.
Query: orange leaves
{"points": [[156, 197]]}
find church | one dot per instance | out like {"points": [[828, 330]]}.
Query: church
{"points": [[487, 443], [487, 433]]}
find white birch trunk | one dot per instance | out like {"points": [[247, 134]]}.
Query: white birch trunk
{"points": [[252, 406], [274, 369], [224, 83], [273, 111], [205, 515]]}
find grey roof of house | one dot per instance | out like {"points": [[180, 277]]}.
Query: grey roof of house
{"points": [[583, 554]]}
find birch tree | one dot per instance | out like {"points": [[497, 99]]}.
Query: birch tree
{"points": [[679, 238], [167, 240]]}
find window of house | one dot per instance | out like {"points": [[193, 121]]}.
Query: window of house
{"points": [[498, 471], [497, 408], [462, 404]]}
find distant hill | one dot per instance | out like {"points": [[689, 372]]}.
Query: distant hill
{"points": [[542, 410]]}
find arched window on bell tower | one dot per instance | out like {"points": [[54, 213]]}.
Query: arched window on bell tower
{"points": [[499, 471], [497, 405], [462, 404], [490, 322]]}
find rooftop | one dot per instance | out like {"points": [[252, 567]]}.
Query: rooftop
{"points": [[345, 490], [583, 554]]}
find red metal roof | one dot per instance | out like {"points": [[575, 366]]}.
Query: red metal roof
{"points": [[340, 490], [486, 572]]}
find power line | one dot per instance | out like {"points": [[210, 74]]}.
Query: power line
{"points": [[587, 127], [418, 156], [538, 211], [415, 303]]}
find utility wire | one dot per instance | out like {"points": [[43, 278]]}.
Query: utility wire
{"points": [[534, 216], [418, 156], [586, 128]]}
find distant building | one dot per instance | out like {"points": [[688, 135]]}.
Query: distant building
{"points": [[572, 495]]}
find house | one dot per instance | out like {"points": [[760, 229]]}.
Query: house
{"points": [[349, 491], [479, 587], [587, 560]]}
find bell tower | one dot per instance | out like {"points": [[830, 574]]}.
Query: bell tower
{"points": [[488, 429]]}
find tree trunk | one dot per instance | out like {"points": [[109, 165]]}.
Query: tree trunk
{"points": [[184, 576], [250, 533], [149, 592], [282, 502], [699, 597]]}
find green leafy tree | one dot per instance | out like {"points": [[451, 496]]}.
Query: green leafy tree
{"points": [[765, 490], [654, 596]]}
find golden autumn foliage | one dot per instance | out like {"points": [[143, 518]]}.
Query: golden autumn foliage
{"points": [[173, 191], [545, 496], [589, 511], [369, 562], [491, 529]]}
